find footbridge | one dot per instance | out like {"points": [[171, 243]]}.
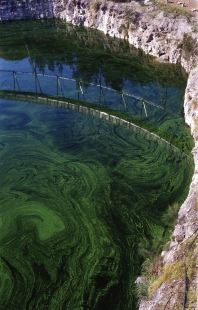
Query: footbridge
{"points": [[77, 89], [83, 108]]}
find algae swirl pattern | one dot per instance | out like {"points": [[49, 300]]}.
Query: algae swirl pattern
{"points": [[77, 194]]}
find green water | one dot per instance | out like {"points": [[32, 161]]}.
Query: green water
{"points": [[78, 193]]}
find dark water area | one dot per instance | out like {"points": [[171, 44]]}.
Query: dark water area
{"points": [[78, 194]]}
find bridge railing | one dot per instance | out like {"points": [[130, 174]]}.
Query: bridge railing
{"points": [[94, 93], [103, 115]]}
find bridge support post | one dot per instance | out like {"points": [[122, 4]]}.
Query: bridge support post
{"points": [[16, 81], [101, 90], [35, 81], [81, 90], [123, 100], [59, 84]]}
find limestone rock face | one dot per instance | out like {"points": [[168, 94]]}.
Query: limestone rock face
{"points": [[159, 36], [162, 37]]}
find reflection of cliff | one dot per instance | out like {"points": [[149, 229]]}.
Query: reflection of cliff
{"points": [[156, 32], [88, 52]]}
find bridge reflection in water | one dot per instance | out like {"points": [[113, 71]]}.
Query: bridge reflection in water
{"points": [[77, 89], [101, 114]]}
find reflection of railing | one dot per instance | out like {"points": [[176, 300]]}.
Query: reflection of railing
{"points": [[38, 85], [103, 115]]}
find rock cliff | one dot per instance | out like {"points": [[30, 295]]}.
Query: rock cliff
{"points": [[170, 38]]}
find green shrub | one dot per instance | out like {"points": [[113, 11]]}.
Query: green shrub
{"points": [[150, 270], [190, 46], [172, 271], [169, 218], [123, 29], [141, 290], [95, 5], [130, 15], [172, 10]]}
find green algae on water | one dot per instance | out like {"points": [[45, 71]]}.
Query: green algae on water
{"points": [[77, 195]]}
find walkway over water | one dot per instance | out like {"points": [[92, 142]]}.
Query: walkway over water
{"points": [[101, 114], [95, 93]]}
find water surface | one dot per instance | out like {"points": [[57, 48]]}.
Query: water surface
{"points": [[78, 194]]}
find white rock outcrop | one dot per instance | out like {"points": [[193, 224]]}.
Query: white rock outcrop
{"points": [[150, 30]]}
